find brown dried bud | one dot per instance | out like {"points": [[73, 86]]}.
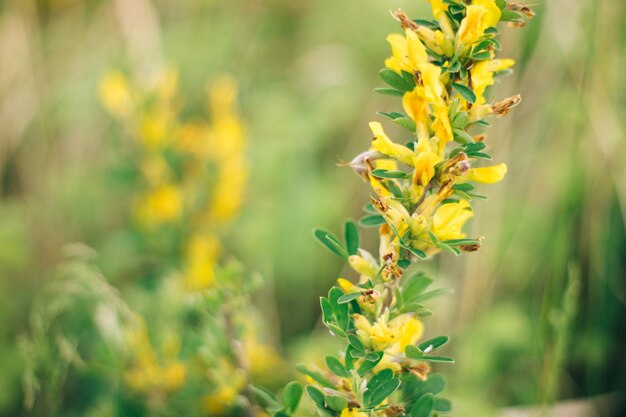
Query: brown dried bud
{"points": [[405, 21], [504, 107], [522, 8], [479, 138], [393, 411], [421, 370]]}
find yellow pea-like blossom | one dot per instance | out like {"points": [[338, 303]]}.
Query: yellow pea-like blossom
{"points": [[487, 175], [449, 219], [481, 14], [384, 145], [393, 335], [482, 75]]}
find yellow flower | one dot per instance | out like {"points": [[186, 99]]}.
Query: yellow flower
{"points": [[154, 128], [487, 175], [219, 401], [384, 145], [415, 105], [201, 255], [116, 94], [347, 286], [354, 412], [147, 373], [439, 8], [482, 75], [362, 266], [407, 52], [449, 219], [163, 205], [393, 337], [424, 163], [480, 15], [442, 127], [433, 89]]}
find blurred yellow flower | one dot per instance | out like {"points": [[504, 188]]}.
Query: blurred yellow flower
{"points": [[162, 205], [116, 94]]}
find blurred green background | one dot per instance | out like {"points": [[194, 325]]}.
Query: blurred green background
{"points": [[538, 314]]}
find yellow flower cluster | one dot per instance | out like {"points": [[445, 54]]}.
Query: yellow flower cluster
{"points": [[193, 172], [422, 189], [419, 204], [153, 371]]}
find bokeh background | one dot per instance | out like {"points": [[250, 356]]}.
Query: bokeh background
{"points": [[538, 315]]}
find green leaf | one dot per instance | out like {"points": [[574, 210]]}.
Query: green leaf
{"points": [[266, 398], [395, 80], [331, 242], [442, 405], [461, 136], [316, 396], [433, 385], [432, 294], [346, 298], [481, 155], [391, 115], [455, 242], [448, 248], [327, 310], [423, 407], [463, 187], [406, 123], [368, 365], [481, 123], [413, 352], [356, 342], [336, 403], [369, 208], [372, 220], [379, 379], [511, 16], [388, 92], [383, 173], [335, 365], [434, 343], [414, 285], [340, 311], [316, 376], [430, 24], [381, 393], [465, 92], [428, 358], [481, 56], [351, 232], [501, 4], [460, 120], [420, 254], [338, 331], [291, 396], [404, 263]]}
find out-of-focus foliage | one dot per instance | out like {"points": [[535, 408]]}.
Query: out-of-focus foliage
{"points": [[306, 71]]}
